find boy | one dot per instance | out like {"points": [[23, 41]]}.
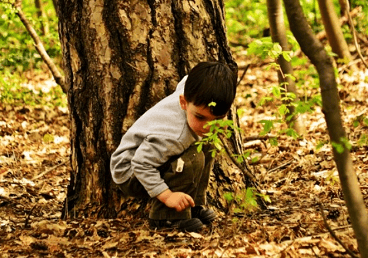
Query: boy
{"points": [[157, 157]]}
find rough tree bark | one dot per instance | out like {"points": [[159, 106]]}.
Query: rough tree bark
{"points": [[120, 58], [331, 108], [278, 34]]}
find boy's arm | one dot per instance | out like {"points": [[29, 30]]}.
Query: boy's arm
{"points": [[153, 152], [177, 200]]}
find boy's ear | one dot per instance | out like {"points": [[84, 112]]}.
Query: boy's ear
{"points": [[183, 102]]}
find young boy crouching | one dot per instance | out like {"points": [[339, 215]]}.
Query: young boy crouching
{"points": [[157, 157]]}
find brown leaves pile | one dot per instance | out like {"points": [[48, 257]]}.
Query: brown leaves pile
{"points": [[34, 174]]}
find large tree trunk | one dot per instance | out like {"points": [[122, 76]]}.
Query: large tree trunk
{"points": [[331, 108], [278, 34], [122, 57]]}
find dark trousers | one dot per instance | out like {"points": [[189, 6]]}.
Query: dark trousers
{"points": [[193, 180]]}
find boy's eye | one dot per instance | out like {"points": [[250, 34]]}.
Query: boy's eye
{"points": [[200, 117]]}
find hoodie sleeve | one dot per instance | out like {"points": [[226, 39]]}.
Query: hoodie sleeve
{"points": [[153, 152]]}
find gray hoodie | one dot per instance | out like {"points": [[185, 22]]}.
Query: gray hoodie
{"points": [[160, 133]]}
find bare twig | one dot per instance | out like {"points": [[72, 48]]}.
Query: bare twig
{"points": [[243, 74], [26, 222], [259, 137], [246, 171], [49, 170], [354, 35], [281, 166], [39, 47], [333, 233]]}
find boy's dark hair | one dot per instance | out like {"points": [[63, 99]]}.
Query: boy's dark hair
{"points": [[211, 82]]}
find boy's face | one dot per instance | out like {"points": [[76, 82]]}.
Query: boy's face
{"points": [[197, 116]]}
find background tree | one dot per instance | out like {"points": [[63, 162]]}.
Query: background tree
{"points": [[43, 17], [120, 59], [38, 43], [333, 30], [278, 34], [331, 108]]}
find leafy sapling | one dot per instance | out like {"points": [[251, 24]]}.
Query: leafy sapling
{"points": [[245, 201], [217, 127]]}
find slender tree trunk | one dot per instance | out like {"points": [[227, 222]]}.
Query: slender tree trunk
{"points": [[333, 30], [331, 108], [278, 34], [42, 16], [122, 57], [344, 7]]}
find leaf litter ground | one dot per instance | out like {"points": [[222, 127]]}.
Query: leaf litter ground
{"points": [[34, 174]]}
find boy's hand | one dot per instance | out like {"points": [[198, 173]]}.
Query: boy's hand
{"points": [[177, 200]]}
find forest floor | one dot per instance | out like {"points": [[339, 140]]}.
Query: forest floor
{"points": [[298, 178]]}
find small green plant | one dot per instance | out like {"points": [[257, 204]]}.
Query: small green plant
{"points": [[246, 201], [217, 127], [332, 178], [361, 121]]}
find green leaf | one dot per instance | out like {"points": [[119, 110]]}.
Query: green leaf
{"points": [[240, 159], [273, 141], [277, 47], [264, 100], [266, 198], [267, 126], [283, 109], [291, 132], [240, 112], [365, 121], [199, 147], [228, 197], [320, 145], [356, 123], [218, 145], [338, 147], [246, 154], [213, 153], [276, 91], [287, 75], [346, 142], [286, 56], [48, 138]]}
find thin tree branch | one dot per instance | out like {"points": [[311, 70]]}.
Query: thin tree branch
{"points": [[333, 233], [40, 48], [354, 35], [242, 76], [49, 170], [246, 170]]}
